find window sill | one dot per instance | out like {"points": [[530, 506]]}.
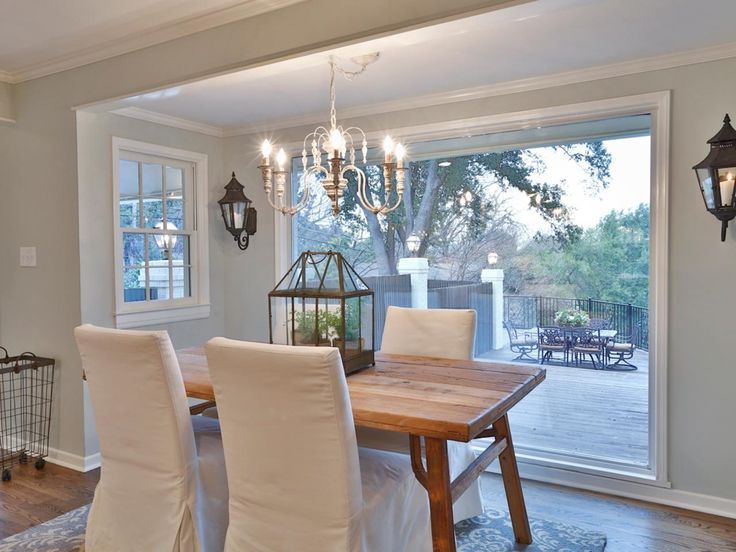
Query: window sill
{"points": [[125, 320]]}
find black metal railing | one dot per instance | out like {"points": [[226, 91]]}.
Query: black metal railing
{"points": [[528, 311]]}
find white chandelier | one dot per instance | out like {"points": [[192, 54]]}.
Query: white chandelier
{"points": [[339, 146]]}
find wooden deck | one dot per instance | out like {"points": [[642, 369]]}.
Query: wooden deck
{"points": [[599, 414]]}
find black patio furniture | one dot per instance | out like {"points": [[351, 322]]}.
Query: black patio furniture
{"points": [[520, 343], [623, 348], [552, 340], [588, 342]]}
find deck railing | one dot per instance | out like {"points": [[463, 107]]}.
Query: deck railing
{"points": [[527, 311]]}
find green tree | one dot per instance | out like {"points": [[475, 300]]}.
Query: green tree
{"points": [[449, 207], [609, 262]]}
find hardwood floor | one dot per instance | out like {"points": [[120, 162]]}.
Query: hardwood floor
{"points": [[631, 526], [34, 496]]}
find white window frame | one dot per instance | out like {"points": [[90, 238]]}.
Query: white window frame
{"points": [[197, 306], [657, 105]]}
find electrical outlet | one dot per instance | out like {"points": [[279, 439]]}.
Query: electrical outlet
{"points": [[28, 256]]}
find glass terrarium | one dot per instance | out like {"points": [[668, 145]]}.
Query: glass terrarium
{"points": [[322, 301]]}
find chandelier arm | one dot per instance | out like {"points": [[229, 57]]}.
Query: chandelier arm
{"points": [[362, 197]]}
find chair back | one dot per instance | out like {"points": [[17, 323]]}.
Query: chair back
{"points": [[290, 447], [599, 323], [510, 329], [589, 338], [441, 333], [551, 336], [147, 490]]}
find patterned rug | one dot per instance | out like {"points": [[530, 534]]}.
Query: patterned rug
{"points": [[490, 532]]}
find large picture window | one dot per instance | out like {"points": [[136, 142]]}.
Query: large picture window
{"points": [[159, 234], [571, 210]]}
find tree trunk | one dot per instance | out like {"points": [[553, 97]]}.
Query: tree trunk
{"points": [[424, 215]]}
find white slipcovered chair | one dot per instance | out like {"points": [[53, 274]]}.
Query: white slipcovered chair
{"points": [[163, 485], [297, 478], [441, 333]]}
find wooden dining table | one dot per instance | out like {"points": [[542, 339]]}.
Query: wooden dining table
{"points": [[432, 400]]}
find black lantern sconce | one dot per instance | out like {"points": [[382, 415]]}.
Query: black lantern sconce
{"points": [[716, 174], [240, 218]]}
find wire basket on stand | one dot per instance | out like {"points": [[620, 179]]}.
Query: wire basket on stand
{"points": [[26, 391]]}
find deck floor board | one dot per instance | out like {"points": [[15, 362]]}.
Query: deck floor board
{"points": [[587, 412]]}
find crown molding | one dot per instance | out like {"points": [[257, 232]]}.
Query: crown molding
{"points": [[143, 39], [643, 65], [600, 72], [170, 121]]}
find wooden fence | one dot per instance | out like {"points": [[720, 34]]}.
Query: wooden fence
{"points": [[388, 291], [441, 294], [444, 294]]}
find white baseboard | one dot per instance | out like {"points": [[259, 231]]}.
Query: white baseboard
{"points": [[74, 461], [628, 489]]}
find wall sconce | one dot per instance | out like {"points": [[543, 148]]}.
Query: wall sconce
{"points": [[412, 244], [716, 174], [240, 218]]}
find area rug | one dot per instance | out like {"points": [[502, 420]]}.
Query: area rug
{"points": [[490, 532]]}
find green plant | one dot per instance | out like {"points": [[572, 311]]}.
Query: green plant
{"points": [[572, 317], [304, 322]]}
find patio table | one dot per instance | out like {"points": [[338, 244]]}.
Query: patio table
{"points": [[571, 331]]}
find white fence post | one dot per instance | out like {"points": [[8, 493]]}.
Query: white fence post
{"points": [[418, 269], [494, 276]]}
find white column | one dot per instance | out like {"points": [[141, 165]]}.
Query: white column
{"points": [[494, 276], [418, 268]]}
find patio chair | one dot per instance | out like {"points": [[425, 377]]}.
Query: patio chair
{"points": [[521, 344], [623, 347], [599, 323], [588, 342], [552, 340]]}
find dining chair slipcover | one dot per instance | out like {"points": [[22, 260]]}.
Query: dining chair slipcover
{"points": [[297, 479], [442, 333], [163, 485]]}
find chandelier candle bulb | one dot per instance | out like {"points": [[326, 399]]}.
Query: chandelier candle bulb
{"points": [[266, 149], [388, 148]]}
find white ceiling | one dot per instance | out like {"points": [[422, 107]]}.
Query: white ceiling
{"points": [[39, 37], [543, 37]]}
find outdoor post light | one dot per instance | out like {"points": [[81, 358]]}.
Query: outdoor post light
{"points": [[412, 244], [492, 258], [240, 218], [716, 174]]}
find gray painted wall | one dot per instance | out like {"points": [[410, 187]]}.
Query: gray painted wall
{"points": [[40, 200], [701, 377], [40, 307]]}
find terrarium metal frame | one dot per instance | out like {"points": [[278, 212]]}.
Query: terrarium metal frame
{"points": [[298, 294]]}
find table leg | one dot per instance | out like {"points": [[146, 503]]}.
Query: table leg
{"points": [[440, 495], [512, 484]]}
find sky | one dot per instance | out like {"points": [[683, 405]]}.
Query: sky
{"points": [[628, 188]]}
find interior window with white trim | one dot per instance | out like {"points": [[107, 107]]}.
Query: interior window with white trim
{"points": [[156, 221], [158, 260]]}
